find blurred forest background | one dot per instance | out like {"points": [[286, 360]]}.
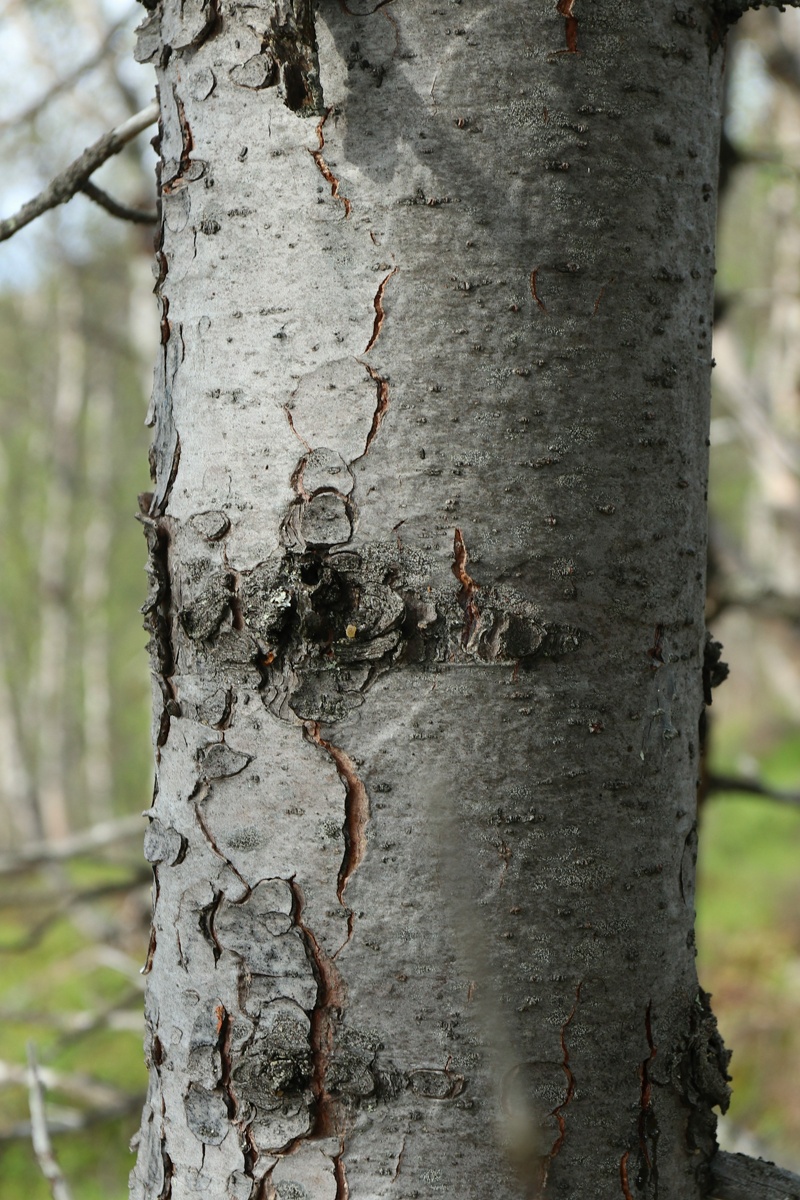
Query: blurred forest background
{"points": [[78, 331]]}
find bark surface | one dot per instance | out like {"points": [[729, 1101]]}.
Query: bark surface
{"points": [[427, 557]]}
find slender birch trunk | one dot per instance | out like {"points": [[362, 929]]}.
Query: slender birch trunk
{"points": [[98, 765], [48, 702], [427, 548]]}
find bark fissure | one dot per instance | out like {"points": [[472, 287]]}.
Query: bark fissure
{"points": [[467, 590], [323, 168], [381, 407], [565, 8], [356, 819], [647, 1123], [379, 310], [325, 1016]]}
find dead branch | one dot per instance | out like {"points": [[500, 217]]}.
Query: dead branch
{"points": [[87, 841], [739, 1177], [750, 787], [40, 1134], [141, 216], [72, 180]]}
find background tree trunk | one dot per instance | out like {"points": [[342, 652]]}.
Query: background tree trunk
{"points": [[427, 552]]}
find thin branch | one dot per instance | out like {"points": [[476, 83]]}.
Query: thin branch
{"points": [[71, 1120], [89, 840], [70, 181], [750, 787], [141, 216], [66, 904], [40, 1134], [84, 1089], [739, 1177]]}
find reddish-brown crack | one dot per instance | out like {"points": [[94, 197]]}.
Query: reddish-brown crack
{"points": [[327, 1009], [296, 479], [466, 594], [656, 651], [558, 1111], [382, 405], [506, 854], [400, 1157], [646, 1097], [340, 1174], [356, 815], [187, 141], [323, 168], [299, 436], [151, 950], [377, 304], [534, 292], [623, 1175], [600, 295], [225, 1031], [565, 7], [212, 844]]}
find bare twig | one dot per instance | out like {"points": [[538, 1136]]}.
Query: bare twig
{"points": [[85, 842], [40, 1134], [67, 903], [739, 1177], [750, 787], [70, 181], [141, 216], [82, 1088]]}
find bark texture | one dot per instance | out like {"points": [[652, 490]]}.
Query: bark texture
{"points": [[427, 562]]}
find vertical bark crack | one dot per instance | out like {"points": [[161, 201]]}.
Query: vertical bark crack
{"points": [[340, 1175], [379, 310], [647, 1127], [558, 1111], [623, 1175], [466, 594], [356, 818], [323, 168], [565, 7], [534, 290], [381, 407], [327, 1011]]}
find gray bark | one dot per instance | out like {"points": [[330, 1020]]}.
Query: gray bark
{"points": [[427, 548]]}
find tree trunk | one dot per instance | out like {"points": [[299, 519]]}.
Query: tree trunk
{"points": [[427, 553]]}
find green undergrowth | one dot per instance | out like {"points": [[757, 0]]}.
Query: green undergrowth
{"points": [[748, 936]]}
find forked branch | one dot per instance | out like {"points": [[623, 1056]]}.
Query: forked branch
{"points": [[74, 178]]}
